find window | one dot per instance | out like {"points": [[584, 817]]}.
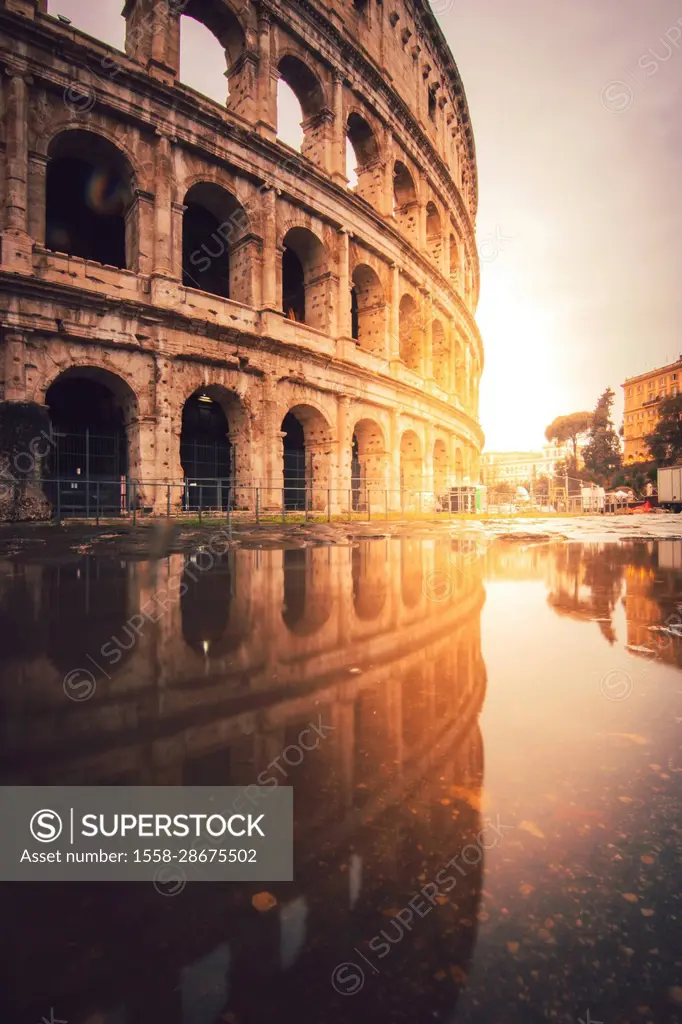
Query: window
{"points": [[629, 419], [432, 104], [674, 376], [629, 392], [639, 389]]}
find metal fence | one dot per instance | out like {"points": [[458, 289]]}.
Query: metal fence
{"points": [[223, 498]]}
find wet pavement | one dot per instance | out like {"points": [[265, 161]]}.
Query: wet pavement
{"points": [[488, 830]]}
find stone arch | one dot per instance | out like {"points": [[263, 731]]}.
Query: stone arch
{"points": [[440, 355], [411, 333], [368, 309], [411, 461], [363, 149], [95, 419], [224, 26], [90, 199], [309, 92], [440, 467], [405, 209], [305, 278], [215, 251], [306, 457], [434, 232], [215, 447], [369, 465]]}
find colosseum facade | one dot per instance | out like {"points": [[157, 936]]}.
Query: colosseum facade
{"points": [[185, 297]]}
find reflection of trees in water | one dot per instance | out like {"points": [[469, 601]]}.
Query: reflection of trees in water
{"points": [[586, 584]]}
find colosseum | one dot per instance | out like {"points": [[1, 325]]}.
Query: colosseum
{"points": [[192, 310]]}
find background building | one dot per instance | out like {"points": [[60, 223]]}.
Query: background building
{"points": [[184, 297], [522, 468], [642, 397]]}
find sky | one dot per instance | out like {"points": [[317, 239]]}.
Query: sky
{"points": [[576, 115]]}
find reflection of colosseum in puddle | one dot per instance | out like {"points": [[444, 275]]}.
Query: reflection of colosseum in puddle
{"points": [[259, 647]]}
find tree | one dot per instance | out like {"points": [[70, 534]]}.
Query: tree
{"points": [[569, 428], [665, 441], [602, 454]]}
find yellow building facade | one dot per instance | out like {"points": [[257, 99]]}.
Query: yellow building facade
{"points": [[643, 395]]}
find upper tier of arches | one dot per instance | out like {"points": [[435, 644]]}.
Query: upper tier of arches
{"points": [[242, 52]]}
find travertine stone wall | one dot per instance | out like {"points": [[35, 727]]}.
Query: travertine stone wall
{"points": [[405, 231]]}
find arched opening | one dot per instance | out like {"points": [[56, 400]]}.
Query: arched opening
{"points": [[434, 238], [305, 279], [440, 356], [302, 99], [214, 449], [214, 622], [213, 226], [306, 451], [411, 470], [440, 468], [89, 200], [368, 466], [92, 413], [362, 154], [411, 335], [307, 599], [289, 117], [203, 64], [405, 200], [102, 20], [368, 310]]}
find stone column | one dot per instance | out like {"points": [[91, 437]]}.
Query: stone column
{"points": [[266, 123], [177, 214], [421, 215], [270, 298], [17, 247], [427, 320], [387, 191], [394, 469], [162, 206], [25, 439], [393, 347], [153, 37], [450, 335], [343, 324], [339, 169], [344, 441], [37, 185], [168, 467], [427, 471]]}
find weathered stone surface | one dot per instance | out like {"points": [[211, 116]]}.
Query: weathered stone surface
{"points": [[160, 307]]}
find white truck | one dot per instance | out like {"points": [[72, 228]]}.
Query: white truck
{"points": [[670, 488]]}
